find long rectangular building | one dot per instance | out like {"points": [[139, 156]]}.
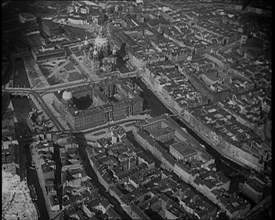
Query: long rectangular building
{"points": [[104, 106], [44, 56]]}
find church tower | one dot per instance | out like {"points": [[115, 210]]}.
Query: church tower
{"points": [[95, 58]]}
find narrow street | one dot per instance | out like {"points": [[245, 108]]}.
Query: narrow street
{"points": [[91, 173]]}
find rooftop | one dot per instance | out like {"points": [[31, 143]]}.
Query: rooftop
{"points": [[184, 149], [225, 124]]}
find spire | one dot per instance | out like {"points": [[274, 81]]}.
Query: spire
{"points": [[159, 29], [100, 31], [86, 40]]}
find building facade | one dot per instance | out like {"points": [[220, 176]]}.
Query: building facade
{"points": [[42, 55], [107, 105]]}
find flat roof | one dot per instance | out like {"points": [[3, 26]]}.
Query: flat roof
{"points": [[184, 149]]}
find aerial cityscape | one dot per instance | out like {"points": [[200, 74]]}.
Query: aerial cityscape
{"points": [[138, 109]]}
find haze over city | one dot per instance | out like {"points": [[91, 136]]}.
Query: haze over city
{"points": [[136, 109]]}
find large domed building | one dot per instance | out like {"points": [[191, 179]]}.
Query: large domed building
{"points": [[67, 96], [100, 55], [85, 106], [101, 41]]}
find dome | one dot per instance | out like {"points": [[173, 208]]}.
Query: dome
{"points": [[100, 41], [95, 53], [67, 95]]}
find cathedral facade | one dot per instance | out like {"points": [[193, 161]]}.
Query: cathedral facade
{"points": [[100, 55]]}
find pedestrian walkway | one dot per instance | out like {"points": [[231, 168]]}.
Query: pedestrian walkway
{"points": [[126, 120]]}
